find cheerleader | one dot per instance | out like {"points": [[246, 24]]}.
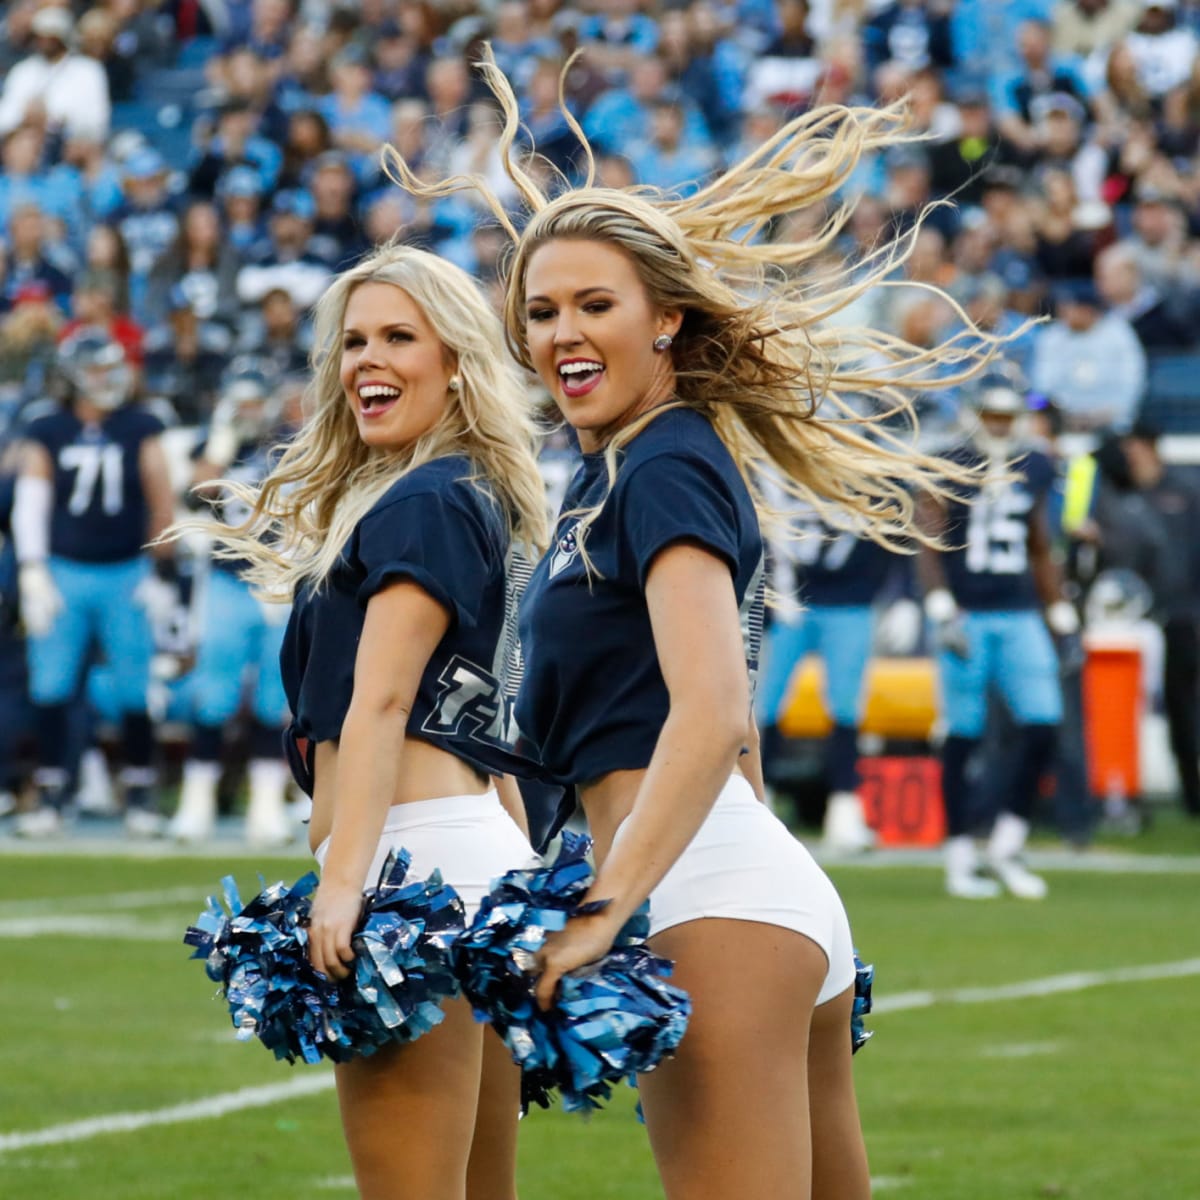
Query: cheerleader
{"points": [[392, 522], [687, 369]]}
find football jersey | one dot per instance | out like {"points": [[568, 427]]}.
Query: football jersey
{"points": [[593, 699], [987, 533], [447, 533], [100, 512]]}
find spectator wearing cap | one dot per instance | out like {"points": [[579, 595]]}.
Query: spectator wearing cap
{"points": [[185, 358], [95, 301], [957, 164], [203, 260], [240, 194], [27, 260], [1083, 27], [1089, 361], [277, 334], [1059, 121], [1163, 50], [284, 259], [358, 117], [1162, 322], [400, 64], [908, 191], [235, 141], [67, 92], [1159, 239], [665, 160], [147, 220], [618, 35], [1040, 73], [337, 237], [915, 33]]}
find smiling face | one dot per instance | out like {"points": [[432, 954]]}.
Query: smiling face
{"points": [[590, 328], [395, 371]]}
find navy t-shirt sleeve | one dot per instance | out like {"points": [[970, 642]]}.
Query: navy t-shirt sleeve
{"points": [[433, 542], [676, 498]]}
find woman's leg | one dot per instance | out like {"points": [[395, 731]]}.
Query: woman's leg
{"points": [[729, 1115], [409, 1112], [492, 1170], [839, 1155]]}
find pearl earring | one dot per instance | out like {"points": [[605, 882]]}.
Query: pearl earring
{"points": [[454, 383], [662, 342]]}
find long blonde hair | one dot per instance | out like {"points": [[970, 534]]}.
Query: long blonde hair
{"points": [[327, 478], [783, 389]]}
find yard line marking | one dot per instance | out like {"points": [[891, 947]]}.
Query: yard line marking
{"points": [[128, 929], [311, 1083], [197, 1110], [1020, 1049], [106, 902], [1076, 981]]}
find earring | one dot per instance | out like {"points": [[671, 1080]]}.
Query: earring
{"points": [[663, 342], [454, 383]]}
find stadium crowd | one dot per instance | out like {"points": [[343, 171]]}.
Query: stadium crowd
{"points": [[189, 175]]}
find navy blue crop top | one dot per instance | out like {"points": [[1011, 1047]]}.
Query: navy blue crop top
{"points": [[438, 528], [593, 698]]}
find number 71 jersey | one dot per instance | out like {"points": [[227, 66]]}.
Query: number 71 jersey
{"points": [[988, 527], [99, 503]]}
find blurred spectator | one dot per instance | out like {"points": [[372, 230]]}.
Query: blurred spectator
{"points": [[185, 358], [95, 304], [517, 47], [1089, 361], [1069, 233], [1159, 239], [957, 164], [147, 221], [28, 337], [908, 192], [23, 179], [788, 70], [285, 260], [1161, 322], [448, 85], [984, 298], [308, 137], [1059, 124], [1083, 27], [543, 118], [303, 74], [276, 334], [268, 30], [240, 194], [337, 238], [233, 143], [400, 64], [1041, 73], [1162, 49], [665, 160], [245, 78], [358, 117], [27, 261], [915, 33], [479, 153], [97, 41], [85, 170], [617, 35], [201, 262], [66, 92], [105, 251]]}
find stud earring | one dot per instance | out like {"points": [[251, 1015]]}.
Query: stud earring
{"points": [[454, 383], [663, 342]]}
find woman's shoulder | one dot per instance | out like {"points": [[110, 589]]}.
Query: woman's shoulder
{"points": [[678, 433], [451, 477]]}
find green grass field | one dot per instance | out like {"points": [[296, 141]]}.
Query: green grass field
{"points": [[1085, 1092]]}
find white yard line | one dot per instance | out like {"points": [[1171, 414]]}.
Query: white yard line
{"points": [[311, 1081], [106, 902]]}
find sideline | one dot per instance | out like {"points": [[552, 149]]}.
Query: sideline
{"points": [[317, 1080]]}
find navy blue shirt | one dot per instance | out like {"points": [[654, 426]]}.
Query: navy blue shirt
{"points": [[449, 535], [987, 564], [100, 510], [828, 567], [593, 698]]}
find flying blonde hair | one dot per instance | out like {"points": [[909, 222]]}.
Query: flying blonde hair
{"points": [[326, 479], [784, 390]]}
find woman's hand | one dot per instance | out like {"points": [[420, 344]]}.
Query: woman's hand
{"points": [[583, 941], [335, 914]]}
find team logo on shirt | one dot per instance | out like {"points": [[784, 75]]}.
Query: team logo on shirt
{"points": [[566, 550], [471, 704]]}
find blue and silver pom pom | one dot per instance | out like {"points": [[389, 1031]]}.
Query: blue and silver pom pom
{"points": [[864, 977], [402, 973], [611, 1020]]}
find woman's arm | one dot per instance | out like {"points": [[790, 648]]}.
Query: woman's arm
{"points": [[403, 627], [698, 638]]}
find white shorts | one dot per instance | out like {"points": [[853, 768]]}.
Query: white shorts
{"points": [[471, 839], [745, 865]]}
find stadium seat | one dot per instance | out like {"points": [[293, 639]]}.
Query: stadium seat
{"points": [[196, 52], [1173, 393]]}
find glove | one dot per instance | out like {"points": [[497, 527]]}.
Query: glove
{"points": [[1062, 619], [949, 632], [899, 627], [158, 596], [41, 601], [222, 445]]}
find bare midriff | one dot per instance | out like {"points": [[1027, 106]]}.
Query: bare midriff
{"points": [[427, 773]]}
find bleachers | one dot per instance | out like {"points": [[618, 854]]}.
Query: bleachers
{"points": [[1172, 399]]}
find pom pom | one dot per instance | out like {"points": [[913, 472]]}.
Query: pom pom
{"points": [[402, 973], [612, 1018], [864, 977]]}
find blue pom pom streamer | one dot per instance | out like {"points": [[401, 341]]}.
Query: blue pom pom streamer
{"points": [[402, 972], [611, 1020], [864, 977]]}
